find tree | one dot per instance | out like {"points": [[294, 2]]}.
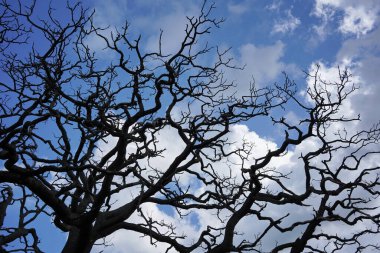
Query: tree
{"points": [[98, 167]]}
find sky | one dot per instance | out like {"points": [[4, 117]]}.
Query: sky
{"points": [[267, 38]]}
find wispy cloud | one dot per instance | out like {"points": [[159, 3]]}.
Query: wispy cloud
{"points": [[238, 8], [287, 24], [353, 17], [274, 6]]}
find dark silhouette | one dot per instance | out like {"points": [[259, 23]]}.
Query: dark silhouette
{"points": [[77, 131]]}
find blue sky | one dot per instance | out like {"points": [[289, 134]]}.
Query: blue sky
{"points": [[267, 37]]}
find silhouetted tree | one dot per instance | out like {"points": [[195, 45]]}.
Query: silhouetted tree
{"points": [[78, 132]]}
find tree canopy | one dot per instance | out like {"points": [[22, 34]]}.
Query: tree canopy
{"points": [[95, 144]]}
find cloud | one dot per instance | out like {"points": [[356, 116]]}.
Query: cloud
{"points": [[239, 134], [330, 74], [358, 17], [362, 58], [136, 243], [263, 63], [358, 20], [238, 8], [274, 6], [145, 18], [110, 12], [190, 225], [173, 27], [287, 24], [361, 55]]}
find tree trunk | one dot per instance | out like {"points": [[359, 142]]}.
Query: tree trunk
{"points": [[79, 241]]}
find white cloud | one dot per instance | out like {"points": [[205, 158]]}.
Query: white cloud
{"points": [[263, 63], [172, 21], [358, 17], [292, 118], [362, 57], [287, 24], [136, 243], [238, 8], [173, 27], [359, 20], [361, 54], [239, 134], [274, 6], [325, 10], [285, 164]]}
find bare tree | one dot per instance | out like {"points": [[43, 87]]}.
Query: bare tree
{"points": [[78, 132]]}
